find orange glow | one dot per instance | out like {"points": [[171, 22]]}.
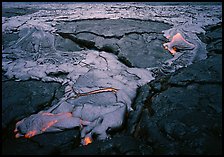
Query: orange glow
{"points": [[47, 114], [68, 114], [31, 134], [174, 48], [49, 124], [177, 40], [87, 140], [179, 37], [172, 51], [45, 125]]}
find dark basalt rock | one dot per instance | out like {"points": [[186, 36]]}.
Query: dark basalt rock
{"points": [[138, 106], [213, 38], [8, 39], [179, 113], [187, 114], [65, 44], [23, 100], [143, 50], [10, 12], [121, 145], [123, 37], [45, 144]]}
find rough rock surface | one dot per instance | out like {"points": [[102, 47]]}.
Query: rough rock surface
{"points": [[137, 42], [22, 101], [88, 76], [9, 12], [183, 112], [120, 145], [81, 46], [213, 38], [44, 144]]}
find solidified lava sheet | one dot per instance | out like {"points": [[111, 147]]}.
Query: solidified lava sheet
{"points": [[99, 54]]}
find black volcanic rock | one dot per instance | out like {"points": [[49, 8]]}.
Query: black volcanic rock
{"points": [[65, 44], [187, 114], [20, 99], [177, 113], [120, 145], [143, 50], [10, 12], [45, 144], [137, 43], [213, 38]]}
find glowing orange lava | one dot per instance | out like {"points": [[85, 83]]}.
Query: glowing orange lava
{"points": [[87, 140], [179, 41], [30, 134], [68, 114], [173, 51], [47, 114], [49, 124], [179, 37]]}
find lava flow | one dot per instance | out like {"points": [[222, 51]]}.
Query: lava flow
{"points": [[87, 140], [47, 120], [177, 43]]}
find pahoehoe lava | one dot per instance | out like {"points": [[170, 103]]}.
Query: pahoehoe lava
{"points": [[119, 78]]}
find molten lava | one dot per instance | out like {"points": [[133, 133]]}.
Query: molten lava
{"points": [[30, 134], [47, 114], [48, 125], [48, 120], [177, 43], [87, 140]]}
